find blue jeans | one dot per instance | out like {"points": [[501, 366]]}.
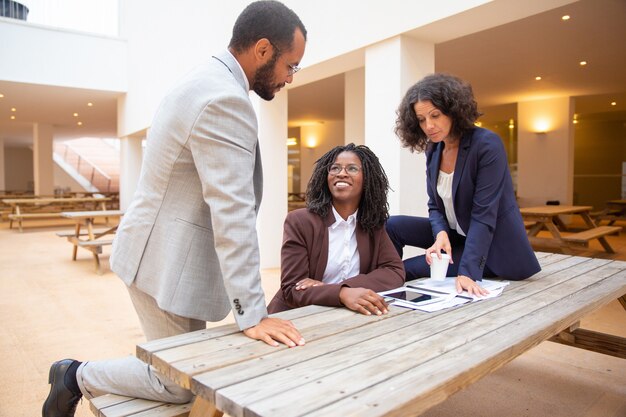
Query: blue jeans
{"points": [[416, 231]]}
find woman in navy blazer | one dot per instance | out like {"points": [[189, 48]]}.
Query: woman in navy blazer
{"points": [[473, 213]]}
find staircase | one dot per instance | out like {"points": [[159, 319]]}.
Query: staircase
{"points": [[91, 161]]}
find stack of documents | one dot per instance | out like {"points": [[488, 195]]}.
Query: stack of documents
{"points": [[430, 295]]}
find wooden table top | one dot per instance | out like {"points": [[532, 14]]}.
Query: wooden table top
{"points": [[92, 214], [54, 200], [398, 364], [553, 210], [618, 202]]}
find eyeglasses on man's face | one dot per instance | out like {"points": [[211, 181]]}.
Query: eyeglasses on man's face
{"points": [[351, 169], [292, 68]]}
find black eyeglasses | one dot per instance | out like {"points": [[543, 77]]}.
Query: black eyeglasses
{"points": [[292, 68], [351, 169]]}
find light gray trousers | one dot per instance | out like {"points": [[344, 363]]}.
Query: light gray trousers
{"points": [[130, 376]]}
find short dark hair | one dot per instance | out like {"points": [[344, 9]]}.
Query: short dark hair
{"points": [[373, 207], [451, 95], [268, 19]]}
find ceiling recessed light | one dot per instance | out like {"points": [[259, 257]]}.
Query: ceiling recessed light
{"points": [[90, 104], [583, 63], [13, 109], [1, 95], [613, 103], [538, 78], [75, 114], [79, 123], [565, 17], [12, 117]]}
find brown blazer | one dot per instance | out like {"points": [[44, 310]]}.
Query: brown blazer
{"points": [[304, 254]]}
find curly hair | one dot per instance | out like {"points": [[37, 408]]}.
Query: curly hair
{"points": [[265, 19], [373, 207], [451, 95]]}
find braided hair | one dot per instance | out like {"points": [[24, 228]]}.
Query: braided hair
{"points": [[373, 207]]}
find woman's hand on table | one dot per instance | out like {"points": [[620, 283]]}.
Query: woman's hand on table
{"points": [[466, 283], [305, 283], [363, 300]]}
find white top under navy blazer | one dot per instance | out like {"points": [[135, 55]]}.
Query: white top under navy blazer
{"points": [[485, 207]]}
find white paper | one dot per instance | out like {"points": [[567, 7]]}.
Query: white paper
{"points": [[448, 286]]}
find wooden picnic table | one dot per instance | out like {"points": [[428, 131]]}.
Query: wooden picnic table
{"points": [[615, 210], [548, 217], [48, 207], [91, 240], [398, 364]]}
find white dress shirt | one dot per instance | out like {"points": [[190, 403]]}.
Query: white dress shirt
{"points": [[343, 256], [444, 189], [245, 78]]}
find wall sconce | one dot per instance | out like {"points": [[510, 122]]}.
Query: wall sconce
{"points": [[541, 126], [311, 142]]}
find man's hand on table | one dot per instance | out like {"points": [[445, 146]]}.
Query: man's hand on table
{"points": [[272, 330]]}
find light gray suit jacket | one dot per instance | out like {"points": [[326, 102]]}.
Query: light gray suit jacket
{"points": [[189, 237]]}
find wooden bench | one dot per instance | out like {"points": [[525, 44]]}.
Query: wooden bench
{"points": [[48, 208], [111, 405], [583, 238], [70, 233]]}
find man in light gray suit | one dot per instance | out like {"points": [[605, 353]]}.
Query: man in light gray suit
{"points": [[187, 246]]}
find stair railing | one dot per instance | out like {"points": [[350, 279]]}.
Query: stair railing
{"points": [[93, 172]]}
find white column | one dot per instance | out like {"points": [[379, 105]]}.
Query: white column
{"points": [[131, 156], [272, 118], [43, 164], [2, 174], [354, 106], [391, 67], [545, 151]]}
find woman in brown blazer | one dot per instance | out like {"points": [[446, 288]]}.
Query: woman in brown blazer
{"points": [[336, 251]]}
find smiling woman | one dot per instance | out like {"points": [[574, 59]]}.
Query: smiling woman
{"points": [[336, 251]]}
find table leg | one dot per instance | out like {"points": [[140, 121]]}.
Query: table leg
{"points": [[588, 220], [554, 230], [76, 236], [559, 223], [91, 237], [535, 229], [605, 244], [19, 219], [204, 408]]}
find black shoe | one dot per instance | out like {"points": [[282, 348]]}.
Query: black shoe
{"points": [[61, 401]]}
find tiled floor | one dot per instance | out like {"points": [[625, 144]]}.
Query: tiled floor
{"points": [[52, 307]]}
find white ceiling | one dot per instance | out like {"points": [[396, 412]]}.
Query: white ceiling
{"points": [[501, 63]]}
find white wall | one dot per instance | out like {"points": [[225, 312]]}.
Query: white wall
{"points": [[354, 106], [545, 160], [43, 55], [63, 180], [316, 140], [2, 185]]}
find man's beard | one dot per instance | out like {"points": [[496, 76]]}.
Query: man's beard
{"points": [[263, 79]]}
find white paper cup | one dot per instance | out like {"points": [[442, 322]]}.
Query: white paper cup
{"points": [[439, 267]]}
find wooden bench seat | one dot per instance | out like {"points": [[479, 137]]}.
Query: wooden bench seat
{"points": [[583, 238], [111, 405], [70, 233]]}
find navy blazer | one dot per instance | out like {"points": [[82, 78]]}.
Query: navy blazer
{"points": [[485, 208]]}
